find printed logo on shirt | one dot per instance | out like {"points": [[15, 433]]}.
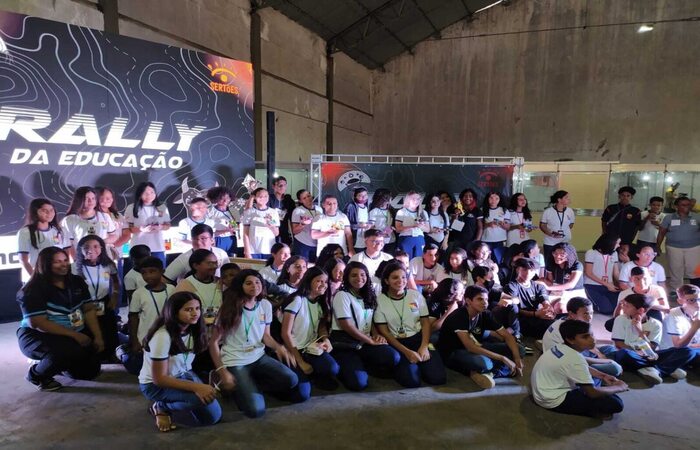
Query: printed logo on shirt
{"points": [[556, 352], [629, 216], [413, 306], [261, 317]]}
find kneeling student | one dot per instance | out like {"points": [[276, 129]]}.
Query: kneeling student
{"points": [[563, 366], [682, 325], [463, 348], [580, 308]]}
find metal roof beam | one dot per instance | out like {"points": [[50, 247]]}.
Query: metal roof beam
{"points": [[425, 16], [373, 14]]}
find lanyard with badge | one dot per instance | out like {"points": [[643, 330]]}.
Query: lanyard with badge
{"points": [[210, 313], [247, 325], [75, 317], [606, 259], [314, 324], [99, 305], [521, 219], [155, 303], [186, 354], [365, 314], [401, 331], [561, 218]]}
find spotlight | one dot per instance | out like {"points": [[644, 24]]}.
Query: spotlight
{"points": [[646, 177], [645, 28]]}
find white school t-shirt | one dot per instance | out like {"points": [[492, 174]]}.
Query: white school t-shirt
{"points": [[552, 336], [306, 318], [382, 219], [325, 223], [245, 345], [601, 264], [148, 305], [222, 219], [270, 274], [515, 235], [655, 292], [558, 371], [623, 331], [209, 293], [260, 235], [405, 313], [179, 267], [347, 306], [133, 280], [558, 221], [649, 231], [409, 219], [371, 263], [148, 215], [98, 279], [421, 273], [362, 217], [441, 222], [304, 236], [677, 323], [656, 271], [495, 234], [159, 346], [184, 228], [76, 228], [44, 239]]}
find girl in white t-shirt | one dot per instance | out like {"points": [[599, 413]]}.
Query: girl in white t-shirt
{"points": [[356, 341], [439, 222], [225, 218], [42, 231], [238, 348], [107, 211], [520, 220], [457, 267], [480, 255], [273, 267], [305, 330], [557, 221], [93, 264], [82, 219], [202, 280], [601, 273], [166, 377], [261, 225], [335, 268], [148, 218], [302, 218], [496, 223], [380, 214], [411, 223], [402, 318]]}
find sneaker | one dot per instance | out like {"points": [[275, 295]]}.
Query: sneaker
{"points": [[528, 350], [538, 345], [679, 374], [651, 375], [483, 380], [43, 385]]}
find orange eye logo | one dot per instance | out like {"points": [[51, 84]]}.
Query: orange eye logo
{"points": [[225, 77]]}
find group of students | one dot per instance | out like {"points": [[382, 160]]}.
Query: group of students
{"points": [[400, 313]]}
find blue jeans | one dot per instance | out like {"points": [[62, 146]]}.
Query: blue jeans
{"points": [[669, 359], [413, 245], [603, 300], [577, 403], [409, 374], [260, 255], [353, 373], [161, 256], [132, 362], [611, 368], [265, 374], [177, 401], [465, 362], [304, 250], [229, 244], [497, 250]]}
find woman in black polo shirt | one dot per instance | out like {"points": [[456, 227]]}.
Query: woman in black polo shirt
{"points": [[56, 307]]}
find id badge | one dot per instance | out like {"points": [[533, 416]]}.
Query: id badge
{"points": [[100, 308], [522, 234], [248, 349], [209, 316], [402, 333], [76, 318], [605, 278], [561, 233]]}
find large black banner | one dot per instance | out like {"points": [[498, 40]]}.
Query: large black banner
{"points": [[341, 178]]}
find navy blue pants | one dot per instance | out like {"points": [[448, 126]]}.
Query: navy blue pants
{"points": [[603, 300], [304, 250], [325, 370], [355, 363], [409, 374], [465, 362], [229, 244], [577, 403], [669, 359]]}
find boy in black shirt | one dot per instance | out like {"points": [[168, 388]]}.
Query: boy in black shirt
{"points": [[536, 313]]}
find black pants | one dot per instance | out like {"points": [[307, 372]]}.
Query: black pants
{"points": [[534, 327], [577, 403], [108, 323], [57, 354]]}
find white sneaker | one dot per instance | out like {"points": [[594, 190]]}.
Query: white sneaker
{"points": [[651, 375], [538, 345], [679, 374], [483, 380]]}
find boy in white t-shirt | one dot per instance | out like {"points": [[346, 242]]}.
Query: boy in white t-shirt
{"points": [[332, 227], [651, 220], [198, 214], [637, 338], [682, 324], [561, 379], [372, 255]]}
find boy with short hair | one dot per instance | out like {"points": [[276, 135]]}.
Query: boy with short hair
{"points": [[133, 279], [651, 219], [371, 255], [682, 324], [536, 314], [637, 337], [580, 308], [198, 209], [503, 306], [145, 307], [426, 269], [332, 227], [464, 349], [562, 366]]}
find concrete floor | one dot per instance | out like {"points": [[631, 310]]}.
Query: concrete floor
{"points": [[111, 413]]}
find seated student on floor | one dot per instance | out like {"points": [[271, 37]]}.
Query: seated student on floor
{"points": [[643, 256], [504, 307], [602, 273], [402, 257], [166, 377], [640, 284], [563, 276], [145, 307], [463, 346], [426, 270], [457, 267], [564, 366], [56, 307], [273, 267], [305, 330], [446, 298], [637, 337], [237, 348], [480, 255], [372, 255], [133, 279], [682, 324], [228, 273], [402, 318], [580, 308], [357, 346], [202, 238], [335, 268], [536, 314]]}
